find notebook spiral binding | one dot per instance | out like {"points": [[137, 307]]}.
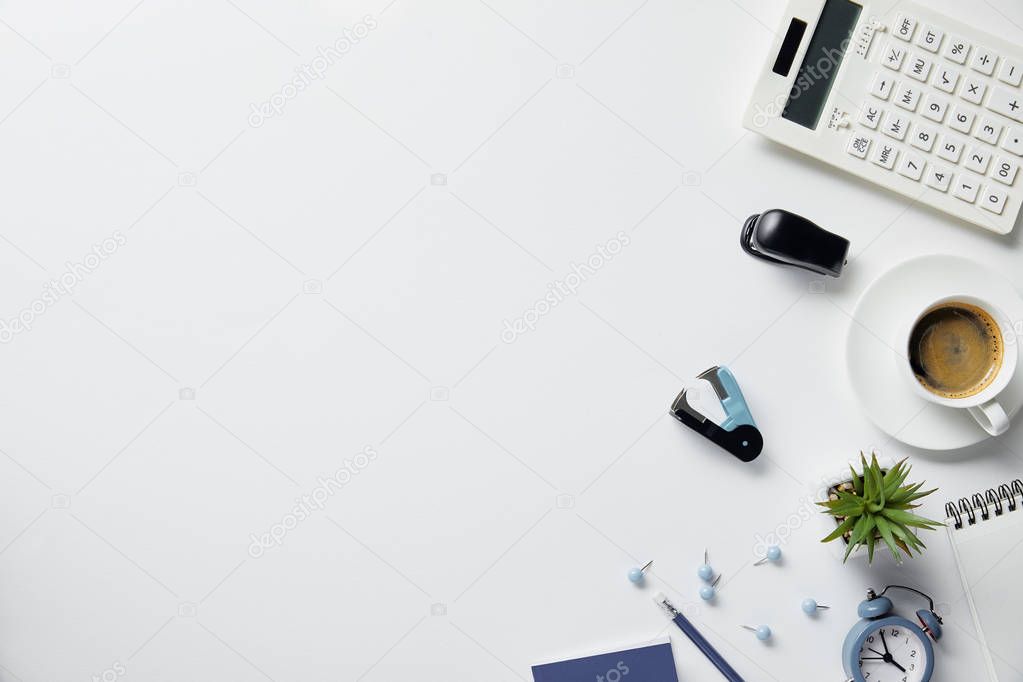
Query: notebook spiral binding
{"points": [[970, 507]]}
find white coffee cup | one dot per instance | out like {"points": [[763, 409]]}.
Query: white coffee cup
{"points": [[983, 405]]}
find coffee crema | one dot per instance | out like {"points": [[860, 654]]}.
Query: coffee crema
{"points": [[956, 349]]}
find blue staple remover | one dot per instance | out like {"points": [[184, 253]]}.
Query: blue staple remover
{"points": [[737, 433]]}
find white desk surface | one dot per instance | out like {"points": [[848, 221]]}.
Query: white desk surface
{"points": [[289, 294]]}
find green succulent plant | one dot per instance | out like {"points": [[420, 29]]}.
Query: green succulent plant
{"points": [[875, 506]]}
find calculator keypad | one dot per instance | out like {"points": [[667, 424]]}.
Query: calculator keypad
{"points": [[934, 113]]}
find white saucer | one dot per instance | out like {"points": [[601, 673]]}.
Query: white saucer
{"points": [[883, 312]]}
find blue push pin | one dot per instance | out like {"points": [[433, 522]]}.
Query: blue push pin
{"points": [[705, 572], [636, 575], [707, 592], [763, 632], [810, 606], [773, 555]]}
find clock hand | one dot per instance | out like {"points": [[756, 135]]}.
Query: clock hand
{"points": [[886, 656]]}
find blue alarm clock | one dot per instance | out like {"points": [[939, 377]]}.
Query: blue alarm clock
{"points": [[883, 647]]}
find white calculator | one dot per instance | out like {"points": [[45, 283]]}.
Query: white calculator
{"points": [[904, 97]]}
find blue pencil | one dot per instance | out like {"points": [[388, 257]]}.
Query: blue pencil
{"points": [[701, 643]]}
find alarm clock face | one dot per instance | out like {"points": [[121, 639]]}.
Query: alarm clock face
{"points": [[894, 653]]}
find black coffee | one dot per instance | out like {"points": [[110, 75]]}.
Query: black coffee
{"points": [[956, 350]]}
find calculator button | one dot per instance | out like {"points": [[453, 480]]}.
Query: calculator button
{"points": [[989, 131], [984, 61], [993, 199], [923, 137], [919, 68], [911, 165], [962, 120], [977, 159], [1007, 103], [966, 188], [882, 86], [1013, 141], [956, 49], [870, 115], [938, 177], [935, 107], [929, 38], [973, 90], [904, 27], [946, 78], [1011, 72], [893, 56], [908, 96], [859, 145], [1005, 170], [950, 148], [895, 125], [884, 155]]}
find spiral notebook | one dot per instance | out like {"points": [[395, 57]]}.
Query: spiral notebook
{"points": [[986, 531]]}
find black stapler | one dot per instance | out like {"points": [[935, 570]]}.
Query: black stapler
{"points": [[786, 238]]}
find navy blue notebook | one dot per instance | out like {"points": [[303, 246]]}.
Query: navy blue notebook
{"points": [[648, 663]]}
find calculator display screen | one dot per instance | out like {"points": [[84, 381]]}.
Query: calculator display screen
{"points": [[821, 63]]}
